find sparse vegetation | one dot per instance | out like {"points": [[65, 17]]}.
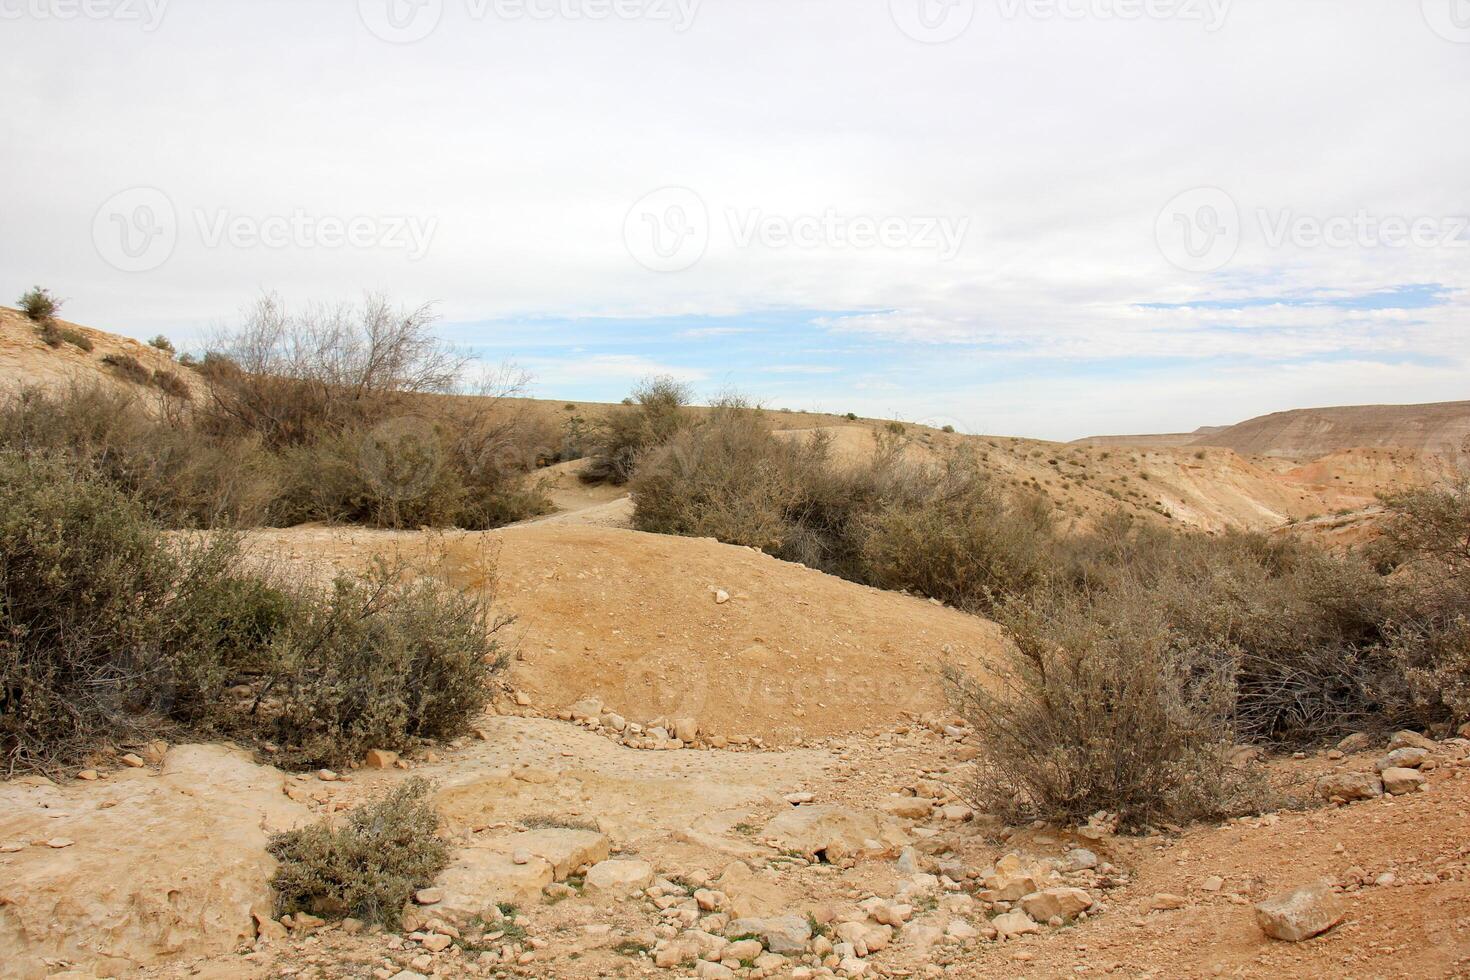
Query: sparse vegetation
{"points": [[162, 343], [128, 367], [656, 412], [41, 305], [366, 867]]}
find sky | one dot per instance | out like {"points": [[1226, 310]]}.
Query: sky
{"points": [[1049, 218]]}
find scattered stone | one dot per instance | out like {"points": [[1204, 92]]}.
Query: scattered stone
{"points": [[1080, 859], [832, 833], [1406, 758], [429, 896], [1350, 786], [436, 943], [619, 877], [1356, 742], [380, 759], [1013, 924], [721, 597], [57, 843], [1300, 914], [132, 761], [907, 807], [785, 934], [1411, 740], [1400, 782], [1213, 883], [1164, 902], [87, 775], [1063, 903]]}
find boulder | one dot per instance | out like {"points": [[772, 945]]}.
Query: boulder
{"points": [[1014, 923], [1063, 903], [1411, 757], [1356, 742], [907, 807], [1300, 914], [481, 877], [380, 759], [1400, 782], [1411, 740], [784, 934], [1012, 879], [1350, 786], [619, 877], [834, 833], [564, 849]]}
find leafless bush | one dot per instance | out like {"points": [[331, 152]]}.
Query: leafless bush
{"points": [[128, 367]]}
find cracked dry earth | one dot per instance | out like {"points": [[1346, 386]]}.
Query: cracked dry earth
{"points": [[171, 897]]}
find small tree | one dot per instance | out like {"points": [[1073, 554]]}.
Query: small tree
{"points": [[162, 343]]}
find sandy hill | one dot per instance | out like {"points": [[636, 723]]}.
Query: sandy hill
{"points": [[26, 359], [1152, 441], [1439, 428]]}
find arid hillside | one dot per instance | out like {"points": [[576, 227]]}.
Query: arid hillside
{"points": [[1306, 433]]}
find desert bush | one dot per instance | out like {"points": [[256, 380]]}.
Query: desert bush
{"points": [[162, 343], [129, 368], [656, 412], [40, 304], [292, 377], [367, 866], [171, 384], [183, 477], [1103, 712], [384, 660]]}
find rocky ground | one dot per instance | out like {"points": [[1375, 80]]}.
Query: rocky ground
{"points": [[577, 856]]}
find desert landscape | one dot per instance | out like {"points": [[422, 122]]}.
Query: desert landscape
{"points": [[704, 759]]}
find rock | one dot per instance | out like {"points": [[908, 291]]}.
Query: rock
{"points": [[744, 950], [686, 729], [177, 864], [380, 759], [1301, 914], [266, 928], [1400, 782], [907, 807], [327, 775], [799, 799], [1080, 859], [154, 752], [922, 936], [1063, 903], [429, 896], [132, 761], [1411, 740], [588, 709], [614, 721], [1012, 879], [833, 833], [1406, 758], [87, 775], [956, 813], [523, 699], [709, 901], [749, 896], [1164, 902], [436, 943], [1356, 742], [1350, 786], [618, 877], [1212, 884], [481, 877], [784, 934], [1013, 924], [961, 930], [721, 597]]}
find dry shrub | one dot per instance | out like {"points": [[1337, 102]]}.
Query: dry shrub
{"points": [[171, 384], [181, 475], [110, 630], [366, 867], [128, 367], [654, 414], [1104, 711]]}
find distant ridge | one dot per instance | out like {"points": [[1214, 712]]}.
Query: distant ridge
{"points": [[1440, 428], [1152, 441]]}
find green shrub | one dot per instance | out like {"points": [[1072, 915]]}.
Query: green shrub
{"points": [[381, 661], [40, 305], [162, 343], [656, 412], [369, 866]]}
